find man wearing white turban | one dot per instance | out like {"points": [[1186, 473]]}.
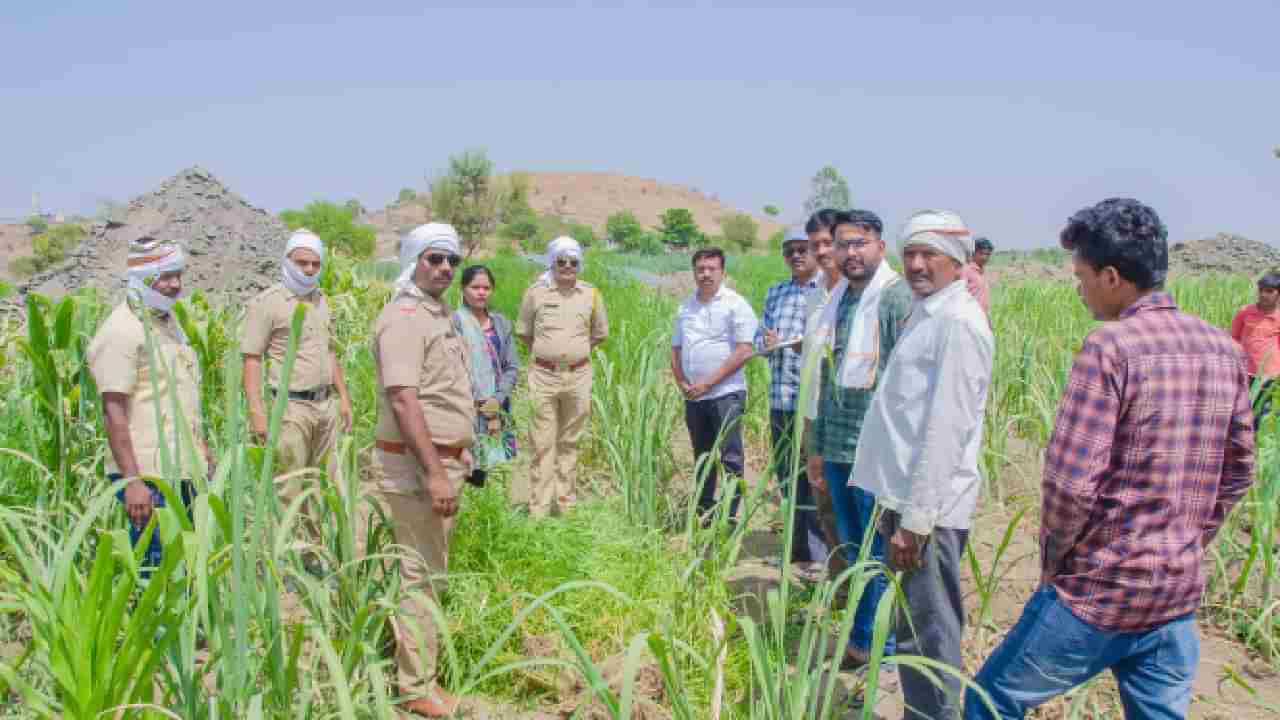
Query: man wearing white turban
{"points": [[918, 452], [137, 380], [562, 319], [426, 425], [319, 404]]}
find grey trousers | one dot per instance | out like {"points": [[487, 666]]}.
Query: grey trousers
{"points": [[931, 624]]}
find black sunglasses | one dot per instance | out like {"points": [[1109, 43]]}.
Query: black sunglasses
{"points": [[800, 250], [566, 262], [435, 259]]}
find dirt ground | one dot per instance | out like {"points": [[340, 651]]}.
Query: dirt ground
{"points": [[15, 240]]}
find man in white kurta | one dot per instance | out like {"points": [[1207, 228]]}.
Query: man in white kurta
{"points": [[918, 452]]}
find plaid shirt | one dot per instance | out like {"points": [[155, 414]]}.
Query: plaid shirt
{"points": [[784, 308], [834, 433], [1152, 446]]}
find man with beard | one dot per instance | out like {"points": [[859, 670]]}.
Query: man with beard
{"points": [[865, 317], [918, 453], [782, 327], [140, 361]]}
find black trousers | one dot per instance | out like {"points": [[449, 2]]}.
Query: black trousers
{"points": [[705, 419], [807, 542]]}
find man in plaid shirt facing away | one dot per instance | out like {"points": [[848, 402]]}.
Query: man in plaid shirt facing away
{"points": [[1152, 446], [784, 320]]}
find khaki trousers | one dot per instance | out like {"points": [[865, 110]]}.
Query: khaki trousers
{"points": [[561, 406], [423, 536], [308, 432]]}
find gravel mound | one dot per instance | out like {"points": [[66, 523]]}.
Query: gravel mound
{"points": [[231, 245], [1223, 253]]}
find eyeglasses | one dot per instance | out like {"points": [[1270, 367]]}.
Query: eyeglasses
{"points": [[847, 244], [567, 262], [800, 250], [436, 258]]}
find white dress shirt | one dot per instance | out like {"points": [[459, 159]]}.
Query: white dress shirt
{"points": [[918, 451], [707, 333]]}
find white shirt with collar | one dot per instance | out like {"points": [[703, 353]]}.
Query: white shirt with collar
{"points": [[707, 333], [918, 451]]}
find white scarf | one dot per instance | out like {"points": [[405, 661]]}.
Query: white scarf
{"points": [[563, 246], [298, 282], [862, 353], [146, 263], [432, 236]]}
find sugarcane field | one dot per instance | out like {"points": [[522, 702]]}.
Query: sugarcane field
{"points": [[346, 372]]}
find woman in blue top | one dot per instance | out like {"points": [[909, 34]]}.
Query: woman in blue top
{"points": [[494, 367]]}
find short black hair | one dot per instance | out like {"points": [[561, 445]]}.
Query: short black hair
{"points": [[1270, 281], [983, 244], [824, 219], [711, 252], [1124, 234], [864, 219], [473, 270]]}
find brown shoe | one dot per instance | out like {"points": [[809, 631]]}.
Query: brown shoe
{"points": [[437, 704], [854, 658]]}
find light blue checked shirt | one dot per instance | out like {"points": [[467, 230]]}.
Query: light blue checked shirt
{"points": [[784, 313]]}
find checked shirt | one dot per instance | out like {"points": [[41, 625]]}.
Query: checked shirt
{"points": [[1152, 446], [834, 433], [784, 307]]}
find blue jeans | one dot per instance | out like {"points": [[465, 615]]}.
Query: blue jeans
{"points": [[153, 555], [854, 508], [1051, 651]]}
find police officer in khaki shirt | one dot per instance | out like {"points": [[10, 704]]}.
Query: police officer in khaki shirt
{"points": [[562, 319], [426, 423], [134, 399], [314, 415]]}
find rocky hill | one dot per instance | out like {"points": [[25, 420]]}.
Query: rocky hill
{"points": [[231, 245]]}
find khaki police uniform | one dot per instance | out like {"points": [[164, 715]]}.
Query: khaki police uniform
{"points": [[415, 345], [120, 361], [309, 430], [563, 324]]}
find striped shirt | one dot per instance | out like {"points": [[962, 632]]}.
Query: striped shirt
{"points": [[784, 313], [1152, 446]]}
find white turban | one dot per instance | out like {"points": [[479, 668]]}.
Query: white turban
{"points": [[563, 246], [148, 259], [298, 282], [432, 236], [942, 230]]}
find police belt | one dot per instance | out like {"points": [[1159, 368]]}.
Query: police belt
{"points": [[313, 395], [560, 365], [399, 448]]}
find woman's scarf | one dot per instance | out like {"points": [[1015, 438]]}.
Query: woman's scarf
{"points": [[484, 378]]}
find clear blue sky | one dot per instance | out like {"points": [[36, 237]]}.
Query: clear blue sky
{"points": [[1013, 119]]}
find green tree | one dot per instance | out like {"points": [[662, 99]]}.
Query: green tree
{"points": [[678, 228], [584, 234], [467, 198], [336, 226], [624, 229], [740, 230], [772, 210], [37, 224], [354, 207], [828, 189], [406, 195], [775, 240]]}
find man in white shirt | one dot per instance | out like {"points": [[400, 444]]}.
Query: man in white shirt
{"points": [[918, 452], [710, 343]]}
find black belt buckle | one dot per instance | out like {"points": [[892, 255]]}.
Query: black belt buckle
{"points": [[314, 395]]}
